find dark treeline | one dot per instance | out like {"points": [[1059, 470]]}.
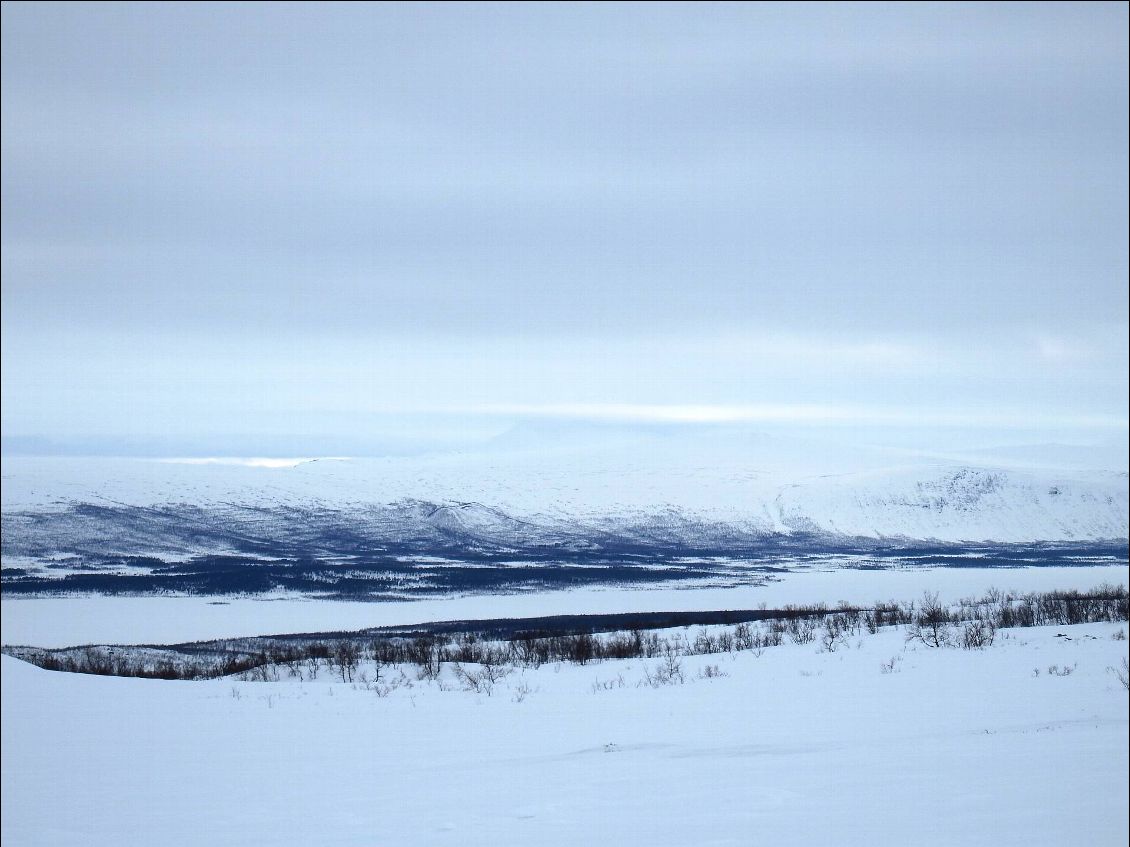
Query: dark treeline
{"points": [[970, 624]]}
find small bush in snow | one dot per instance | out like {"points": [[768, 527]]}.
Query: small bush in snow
{"points": [[521, 691], [889, 667], [608, 684], [978, 634], [481, 681], [711, 672], [667, 672], [1122, 674], [802, 630], [932, 623]]}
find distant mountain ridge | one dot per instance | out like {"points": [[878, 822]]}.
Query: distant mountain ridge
{"points": [[720, 490]]}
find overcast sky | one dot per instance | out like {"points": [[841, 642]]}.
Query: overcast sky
{"points": [[314, 219]]}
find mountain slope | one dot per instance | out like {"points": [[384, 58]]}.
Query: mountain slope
{"points": [[723, 491]]}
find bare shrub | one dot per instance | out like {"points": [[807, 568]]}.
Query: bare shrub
{"points": [[667, 672], [1056, 670], [383, 689], [481, 681], [345, 656], [711, 672], [890, 667], [312, 665], [978, 634], [493, 669], [608, 684], [521, 691], [931, 624], [705, 643], [802, 630], [836, 630], [370, 682], [743, 637], [427, 655], [1122, 673]]}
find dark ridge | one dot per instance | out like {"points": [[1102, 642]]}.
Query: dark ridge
{"points": [[555, 625]]}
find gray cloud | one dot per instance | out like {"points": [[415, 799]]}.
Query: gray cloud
{"points": [[423, 173]]}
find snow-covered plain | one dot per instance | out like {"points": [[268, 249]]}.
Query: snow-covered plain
{"points": [[69, 621], [878, 742]]}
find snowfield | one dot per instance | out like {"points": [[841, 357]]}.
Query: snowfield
{"points": [[68, 621], [879, 742]]}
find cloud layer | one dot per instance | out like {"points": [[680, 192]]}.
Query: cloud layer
{"points": [[217, 215]]}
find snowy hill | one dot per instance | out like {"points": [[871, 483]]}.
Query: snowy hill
{"points": [[539, 511], [574, 487]]}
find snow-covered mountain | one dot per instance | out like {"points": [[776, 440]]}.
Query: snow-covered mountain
{"points": [[574, 490]]}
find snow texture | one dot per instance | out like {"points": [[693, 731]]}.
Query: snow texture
{"points": [[879, 742]]}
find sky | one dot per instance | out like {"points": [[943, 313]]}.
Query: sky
{"points": [[348, 226]]}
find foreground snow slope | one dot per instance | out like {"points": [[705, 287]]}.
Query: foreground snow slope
{"points": [[791, 747], [611, 479]]}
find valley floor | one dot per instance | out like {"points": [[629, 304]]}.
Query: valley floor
{"points": [[881, 741], [68, 621]]}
